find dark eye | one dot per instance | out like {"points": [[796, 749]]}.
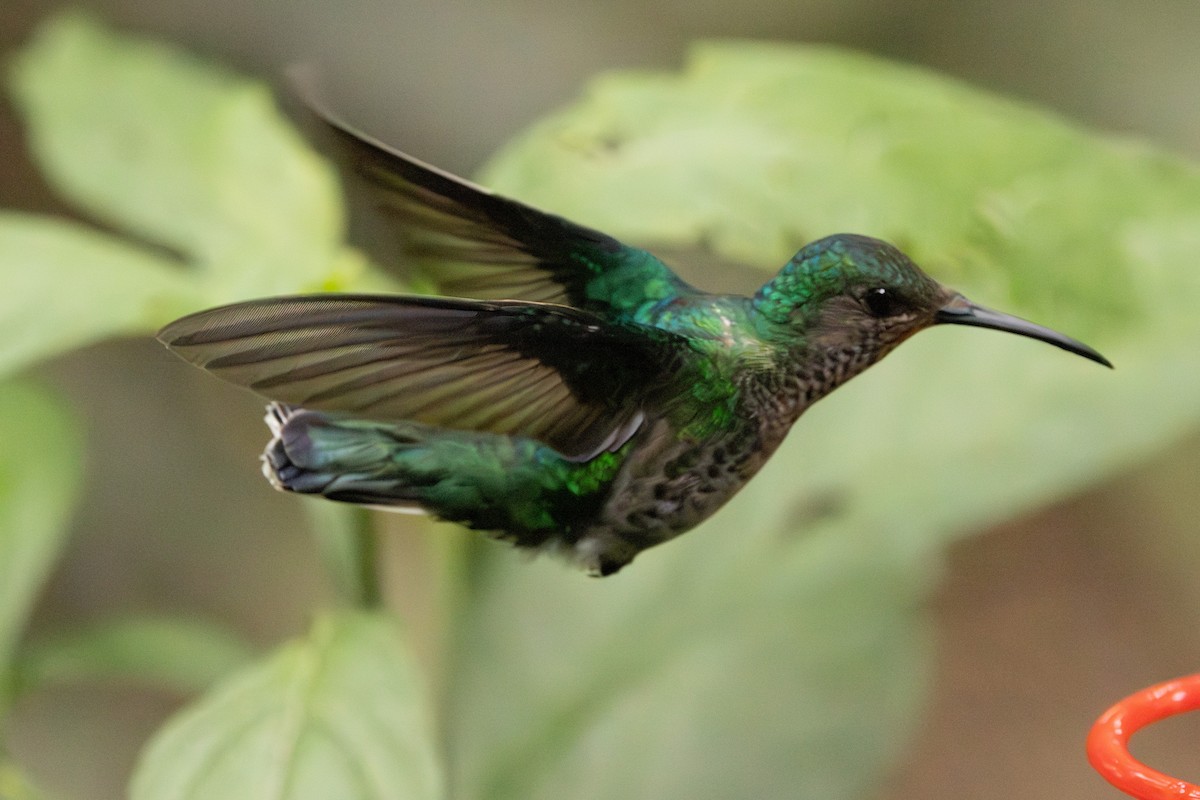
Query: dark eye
{"points": [[881, 302]]}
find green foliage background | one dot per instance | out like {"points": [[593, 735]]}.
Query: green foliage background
{"points": [[781, 650]]}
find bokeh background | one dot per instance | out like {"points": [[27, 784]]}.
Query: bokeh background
{"points": [[1042, 623]]}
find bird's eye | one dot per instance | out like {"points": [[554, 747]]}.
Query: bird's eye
{"points": [[881, 302]]}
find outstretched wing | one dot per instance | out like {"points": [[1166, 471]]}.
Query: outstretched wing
{"points": [[473, 243], [556, 374]]}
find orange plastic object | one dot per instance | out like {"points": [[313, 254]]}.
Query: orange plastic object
{"points": [[1108, 741]]}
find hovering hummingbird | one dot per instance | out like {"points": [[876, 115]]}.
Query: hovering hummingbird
{"points": [[587, 400]]}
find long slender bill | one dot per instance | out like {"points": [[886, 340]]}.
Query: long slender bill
{"points": [[961, 311]]}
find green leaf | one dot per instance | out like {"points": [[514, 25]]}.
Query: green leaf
{"points": [[183, 154], [780, 650], [757, 148], [40, 473], [66, 286], [338, 714], [784, 667], [183, 655], [15, 784]]}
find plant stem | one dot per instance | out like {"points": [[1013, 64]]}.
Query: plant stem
{"points": [[349, 547], [365, 546]]}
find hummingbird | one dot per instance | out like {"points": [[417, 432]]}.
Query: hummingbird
{"points": [[566, 392]]}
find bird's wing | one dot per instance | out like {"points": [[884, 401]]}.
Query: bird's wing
{"points": [[473, 243], [562, 376]]}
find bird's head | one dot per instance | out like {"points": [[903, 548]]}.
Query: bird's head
{"points": [[855, 298]]}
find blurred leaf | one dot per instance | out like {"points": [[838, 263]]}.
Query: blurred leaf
{"points": [[66, 286], [338, 714], [757, 148], [39, 480], [782, 668], [183, 154], [778, 650], [15, 784], [184, 655]]}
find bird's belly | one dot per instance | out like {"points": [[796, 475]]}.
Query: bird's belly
{"points": [[666, 486]]}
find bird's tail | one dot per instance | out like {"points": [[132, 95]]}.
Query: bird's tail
{"points": [[516, 488], [348, 460]]}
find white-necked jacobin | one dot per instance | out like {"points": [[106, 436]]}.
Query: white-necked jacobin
{"points": [[585, 399]]}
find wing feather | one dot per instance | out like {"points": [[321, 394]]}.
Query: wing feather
{"points": [[549, 372], [473, 243]]}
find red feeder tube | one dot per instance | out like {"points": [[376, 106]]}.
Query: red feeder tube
{"points": [[1108, 741]]}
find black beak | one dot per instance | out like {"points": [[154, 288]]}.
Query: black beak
{"points": [[961, 311]]}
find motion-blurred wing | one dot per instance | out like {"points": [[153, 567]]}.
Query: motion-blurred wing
{"points": [[473, 243], [551, 373]]}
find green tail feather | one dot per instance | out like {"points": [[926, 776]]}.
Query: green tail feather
{"points": [[484, 481]]}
